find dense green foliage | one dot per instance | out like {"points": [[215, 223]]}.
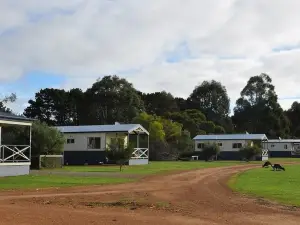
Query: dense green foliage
{"points": [[249, 152], [119, 152], [210, 150], [46, 140], [206, 111], [263, 182]]}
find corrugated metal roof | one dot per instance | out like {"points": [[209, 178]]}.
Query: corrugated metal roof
{"points": [[10, 117], [231, 137], [284, 141], [100, 128]]}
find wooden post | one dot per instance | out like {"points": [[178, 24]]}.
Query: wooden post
{"points": [[148, 148], [0, 146], [30, 143], [128, 139]]}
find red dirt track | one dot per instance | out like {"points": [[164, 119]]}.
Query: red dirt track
{"points": [[193, 197]]}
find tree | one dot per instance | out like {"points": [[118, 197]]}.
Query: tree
{"points": [[118, 152], [113, 99], [293, 115], [57, 107], [209, 150], [194, 121], [182, 103], [10, 98], [152, 124], [248, 152], [46, 140], [219, 130], [158, 103], [185, 143], [211, 98], [257, 110], [171, 129]]}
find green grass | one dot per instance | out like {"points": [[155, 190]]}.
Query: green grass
{"points": [[43, 181], [152, 167], [280, 186], [165, 166]]}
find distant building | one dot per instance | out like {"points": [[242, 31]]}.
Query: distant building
{"points": [[230, 144], [283, 147]]}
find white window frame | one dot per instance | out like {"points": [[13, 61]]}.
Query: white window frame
{"points": [[69, 141], [91, 147], [202, 144], [237, 143]]}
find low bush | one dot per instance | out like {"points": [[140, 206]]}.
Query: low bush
{"points": [[249, 152], [210, 150]]}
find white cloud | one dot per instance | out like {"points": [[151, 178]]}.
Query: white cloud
{"points": [[228, 40]]}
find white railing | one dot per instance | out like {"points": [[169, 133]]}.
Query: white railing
{"points": [[140, 153], [14, 153]]}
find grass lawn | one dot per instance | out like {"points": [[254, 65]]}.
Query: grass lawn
{"points": [[281, 186], [164, 166], [152, 167], [43, 181]]}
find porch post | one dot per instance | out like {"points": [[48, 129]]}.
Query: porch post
{"points": [[138, 140], [128, 139], [148, 147], [30, 143], [1, 146]]}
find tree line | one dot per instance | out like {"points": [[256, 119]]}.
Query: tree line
{"points": [[172, 121]]}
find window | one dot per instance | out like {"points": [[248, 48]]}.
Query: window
{"points": [[220, 144], [70, 141], [285, 146], [236, 145], [94, 142], [200, 145]]}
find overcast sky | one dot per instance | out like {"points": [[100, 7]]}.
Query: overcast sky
{"points": [[170, 45]]}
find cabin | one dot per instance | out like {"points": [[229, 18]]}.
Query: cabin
{"points": [[88, 144], [15, 158], [283, 147], [230, 144]]}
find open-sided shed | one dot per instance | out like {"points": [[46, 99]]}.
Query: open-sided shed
{"points": [[15, 159]]}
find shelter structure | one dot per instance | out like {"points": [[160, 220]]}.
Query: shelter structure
{"points": [[15, 159], [88, 144], [283, 147], [230, 144]]}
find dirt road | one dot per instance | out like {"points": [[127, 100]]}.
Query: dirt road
{"points": [[194, 197]]}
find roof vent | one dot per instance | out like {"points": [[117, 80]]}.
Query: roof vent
{"points": [[117, 123]]}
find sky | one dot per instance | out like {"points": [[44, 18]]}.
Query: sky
{"points": [[171, 45]]}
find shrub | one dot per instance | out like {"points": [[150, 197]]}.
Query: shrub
{"points": [[118, 152], [210, 150], [249, 152]]}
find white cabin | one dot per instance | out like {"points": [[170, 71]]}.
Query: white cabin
{"points": [[88, 144], [283, 147], [229, 144]]}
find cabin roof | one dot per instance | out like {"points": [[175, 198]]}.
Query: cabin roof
{"points": [[231, 137], [103, 128], [10, 117]]}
